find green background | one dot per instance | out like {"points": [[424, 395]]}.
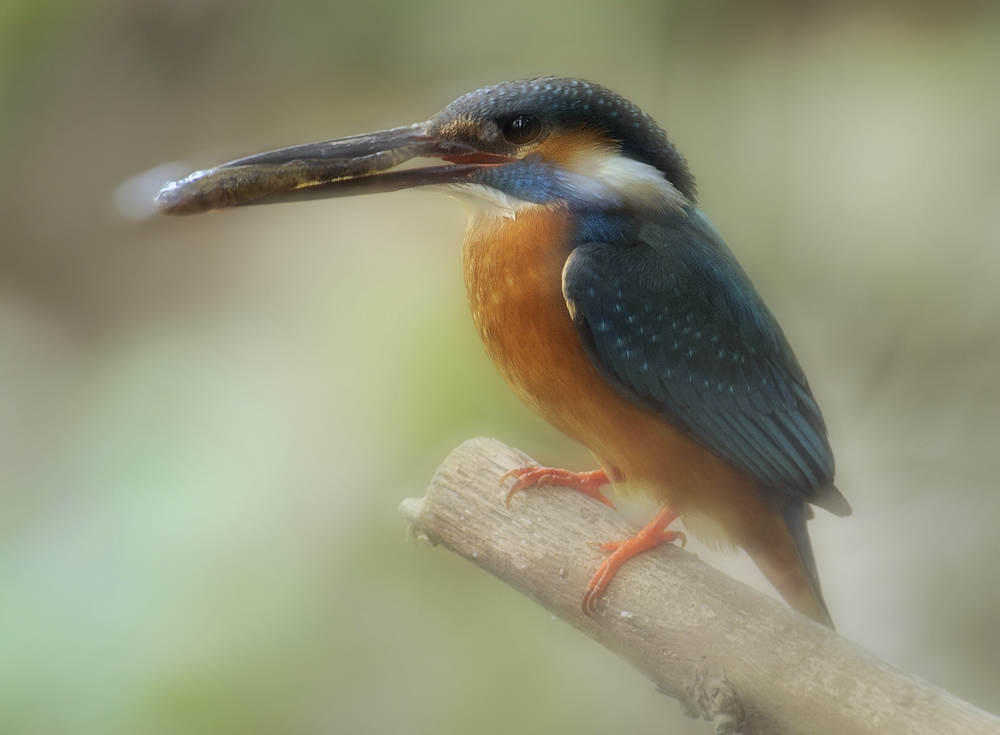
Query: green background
{"points": [[206, 424]]}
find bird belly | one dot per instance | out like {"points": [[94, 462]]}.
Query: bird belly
{"points": [[513, 275]]}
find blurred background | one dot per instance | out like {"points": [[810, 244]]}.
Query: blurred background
{"points": [[207, 424]]}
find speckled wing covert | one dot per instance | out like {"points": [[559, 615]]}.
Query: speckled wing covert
{"points": [[672, 322]]}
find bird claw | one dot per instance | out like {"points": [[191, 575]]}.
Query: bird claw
{"points": [[650, 536], [588, 483], [668, 538]]}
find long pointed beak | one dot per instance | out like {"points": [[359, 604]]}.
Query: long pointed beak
{"points": [[355, 165]]}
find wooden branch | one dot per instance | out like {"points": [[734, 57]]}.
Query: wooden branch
{"points": [[728, 653]]}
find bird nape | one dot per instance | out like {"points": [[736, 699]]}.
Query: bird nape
{"points": [[610, 305]]}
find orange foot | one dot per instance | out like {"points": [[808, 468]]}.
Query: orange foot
{"points": [[652, 535], [588, 483]]}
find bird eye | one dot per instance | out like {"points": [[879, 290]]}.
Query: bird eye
{"points": [[521, 129]]}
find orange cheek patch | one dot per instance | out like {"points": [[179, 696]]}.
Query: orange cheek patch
{"points": [[571, 148]]}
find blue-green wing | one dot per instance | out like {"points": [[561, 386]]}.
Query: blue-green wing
{"points": [[673, 323]]}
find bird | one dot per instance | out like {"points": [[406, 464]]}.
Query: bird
{"points": [[609, 303]]}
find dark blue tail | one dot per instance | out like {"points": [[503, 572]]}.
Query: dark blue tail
{"points": [[796, 514]]}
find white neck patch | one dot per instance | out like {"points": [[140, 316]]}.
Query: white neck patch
{"points": [[637, 185]]}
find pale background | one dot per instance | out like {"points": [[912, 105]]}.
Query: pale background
{"points": [[206, 424]]}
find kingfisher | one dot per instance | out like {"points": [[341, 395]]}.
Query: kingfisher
{"points": [[610, 304]]}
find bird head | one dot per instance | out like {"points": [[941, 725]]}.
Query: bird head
{"points": [[548, 141]]}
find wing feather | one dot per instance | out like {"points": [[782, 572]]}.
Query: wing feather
{"points": [[673, 323]]}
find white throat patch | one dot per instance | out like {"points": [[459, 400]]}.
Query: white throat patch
{"points": [[485, 200]]}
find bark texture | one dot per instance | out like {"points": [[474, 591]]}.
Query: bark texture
{"points": [[729, 654]]}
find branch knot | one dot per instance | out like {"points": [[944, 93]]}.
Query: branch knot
{"points": [[714, 698]]}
